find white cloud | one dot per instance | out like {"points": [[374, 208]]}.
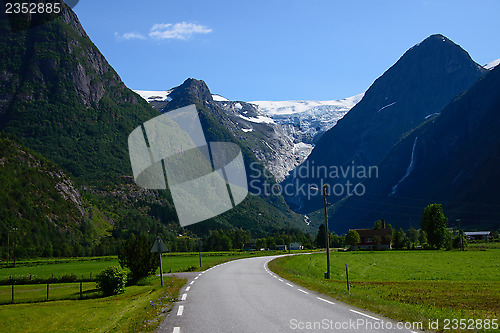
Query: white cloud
{"points": [[183, 30], [129, 36]]}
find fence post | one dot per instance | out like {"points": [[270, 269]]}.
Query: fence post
{"points": [[47, 291], [12, 291], [347, 276], [81, 296]]}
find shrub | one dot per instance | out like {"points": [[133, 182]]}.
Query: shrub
{"points": [[457, 242], [111, 281]]}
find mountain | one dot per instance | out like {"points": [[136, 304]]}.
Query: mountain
{"points": [[426, 78], [61, 97], [451, 159], [280, 133], [220, 124], [64, 103]]}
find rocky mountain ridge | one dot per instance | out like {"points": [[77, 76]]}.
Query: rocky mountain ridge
{"points": [[281, 134]]}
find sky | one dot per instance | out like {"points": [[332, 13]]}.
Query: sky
{"points": [[278, 49]]}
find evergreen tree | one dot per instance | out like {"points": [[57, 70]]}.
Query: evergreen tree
{"points": [[320, 240]]}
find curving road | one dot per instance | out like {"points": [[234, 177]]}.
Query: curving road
{"points": [[244, 296]]}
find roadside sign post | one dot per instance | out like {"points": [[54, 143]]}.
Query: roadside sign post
{"points": [[159, 247], [347, 276]]}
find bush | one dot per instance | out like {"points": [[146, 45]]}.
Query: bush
{"points": [[457, 242], [111, 281]]}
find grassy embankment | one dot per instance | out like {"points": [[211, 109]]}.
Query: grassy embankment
{"points": [[140, 308], [414, 286]]}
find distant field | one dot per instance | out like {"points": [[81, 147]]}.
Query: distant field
{"points": [[172, 262], [407, 285]]}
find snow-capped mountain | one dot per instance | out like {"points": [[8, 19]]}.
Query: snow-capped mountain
{"points": [[281, 133], [310, 118]]}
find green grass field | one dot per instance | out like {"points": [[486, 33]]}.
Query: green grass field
{"points": [[172, 262], [406, 285], [140, 308], [38, 292]]}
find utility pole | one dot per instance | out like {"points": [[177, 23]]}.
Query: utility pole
{"points": [[461, 234], [325, 194], [327, 238], [289, 249]]}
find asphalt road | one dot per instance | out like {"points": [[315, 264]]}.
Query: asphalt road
{"points": [[244, 296]]}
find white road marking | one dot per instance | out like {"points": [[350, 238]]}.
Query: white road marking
{"points": [[303, 291], [180, 310], [192, 282], [187, 289], [196, 278], [288, 284], [177, 330], [184, 296], [280, 280], [360, 313], [324, 300]]}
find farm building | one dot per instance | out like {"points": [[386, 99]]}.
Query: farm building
{"points": [[478, 235], [374, 239], [296, 246]]}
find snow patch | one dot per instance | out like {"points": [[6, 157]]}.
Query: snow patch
{"points": [[272, 108], [259, 119], [492, 64], [432, 115], [154, 95], [385, 107], [246, 130], [219, 98]]}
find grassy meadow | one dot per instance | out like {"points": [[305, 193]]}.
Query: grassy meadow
{"points": [[83, 267], [406, 285]]}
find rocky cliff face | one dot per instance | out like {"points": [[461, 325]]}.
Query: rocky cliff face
{"points": [[278, 146], [275, 145], [59, 95], [37, 198]]}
